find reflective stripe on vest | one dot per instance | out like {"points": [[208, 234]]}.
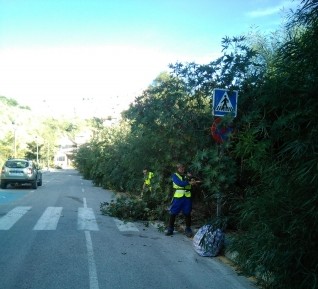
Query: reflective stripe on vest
{"points": [[181, 191], [148, 179]]}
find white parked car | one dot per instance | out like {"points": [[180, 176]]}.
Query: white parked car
{"points": [[20, 171]]}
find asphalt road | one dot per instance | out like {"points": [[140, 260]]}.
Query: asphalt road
{"points": [[55, 237]]}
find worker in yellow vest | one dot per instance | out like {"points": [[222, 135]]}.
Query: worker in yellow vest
{"points": [[181, 200], [148, 175]]}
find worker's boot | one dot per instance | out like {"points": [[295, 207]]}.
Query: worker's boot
{"points": [[171, 225]]}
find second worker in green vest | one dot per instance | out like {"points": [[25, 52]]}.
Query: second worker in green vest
{"points": [[148, 175]]}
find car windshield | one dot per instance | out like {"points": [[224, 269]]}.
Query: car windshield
{"points": [[16, 164]]}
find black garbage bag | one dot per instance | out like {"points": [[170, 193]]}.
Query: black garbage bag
{"points": [[208, 241]]}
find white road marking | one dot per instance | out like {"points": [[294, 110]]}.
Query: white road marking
{"points": [[125, 226], [86, 220], [8, 220], [49, 219], [93, 280]]}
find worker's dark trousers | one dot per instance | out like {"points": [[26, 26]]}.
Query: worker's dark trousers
{"points": [[172, 219], [188, 221]]}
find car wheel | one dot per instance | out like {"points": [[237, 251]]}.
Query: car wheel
{"points": [[35, 185], [3, 185]]}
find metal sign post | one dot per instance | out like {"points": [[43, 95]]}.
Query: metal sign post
{"points": [[224, 103]]}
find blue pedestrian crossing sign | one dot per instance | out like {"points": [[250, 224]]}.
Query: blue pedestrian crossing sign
{"points": [[224, 102]]}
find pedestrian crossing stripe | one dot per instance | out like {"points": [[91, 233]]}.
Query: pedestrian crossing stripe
{"points": [[48, 221], [8, 220], [86, 220], [125, 226]]}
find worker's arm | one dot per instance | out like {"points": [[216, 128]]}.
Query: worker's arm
{"points": [[179, 182]]}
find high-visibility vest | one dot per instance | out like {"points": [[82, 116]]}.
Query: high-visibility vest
{"points": [[148, 178], [181, 191]]}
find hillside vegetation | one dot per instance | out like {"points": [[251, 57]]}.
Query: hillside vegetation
{"points": [[21, 129], [266, 173]]}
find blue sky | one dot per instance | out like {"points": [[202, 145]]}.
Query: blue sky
{"points": [[95, 56]]}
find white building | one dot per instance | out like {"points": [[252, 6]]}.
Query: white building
{"points": [[66, 146]]}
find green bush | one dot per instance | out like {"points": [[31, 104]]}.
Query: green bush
{"points": [[129, 209], [134, 208]]}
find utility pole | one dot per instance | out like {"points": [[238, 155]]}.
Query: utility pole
{"points": [[37, 150], [14, 139], [47, 155]]}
